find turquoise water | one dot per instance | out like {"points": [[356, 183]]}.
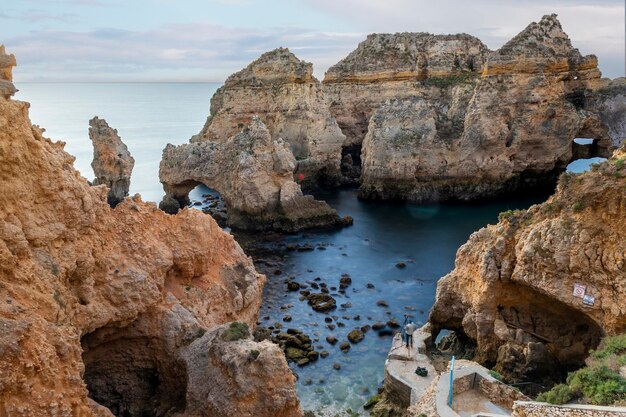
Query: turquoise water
{"points": [[426, 238]]}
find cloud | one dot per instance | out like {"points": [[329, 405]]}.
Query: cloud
{"points": [[37, 15], [595, 26], [191, 51], [211, 52]]}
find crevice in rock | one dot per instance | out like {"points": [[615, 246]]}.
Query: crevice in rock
{"points": [[351, 164], [129, 372]]}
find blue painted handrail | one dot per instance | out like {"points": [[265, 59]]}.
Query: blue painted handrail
{"points": [[451, 383]]}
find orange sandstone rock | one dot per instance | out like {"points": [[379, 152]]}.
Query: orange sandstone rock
{"points": [[104, 303]]}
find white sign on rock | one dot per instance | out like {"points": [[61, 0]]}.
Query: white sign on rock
{"points": [[579, 290]]}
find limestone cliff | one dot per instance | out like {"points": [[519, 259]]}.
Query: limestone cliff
{"points": [[280, 89], [443, 118], [512, 291], [117, 308], [396, 66], [112, 162], [253, 174]]}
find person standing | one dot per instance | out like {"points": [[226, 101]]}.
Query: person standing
{"points": [[409, 329]]}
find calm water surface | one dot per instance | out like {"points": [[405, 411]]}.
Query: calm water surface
{"points": [[426, 238], [147, 117]]}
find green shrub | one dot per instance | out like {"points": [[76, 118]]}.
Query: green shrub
{"points": [[578, 207], [615, 345], [619, 163], [598, 384], [559, 394], [566, 178], [496, 375], [236, 331]]}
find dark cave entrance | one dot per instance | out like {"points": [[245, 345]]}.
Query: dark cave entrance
{"points": [[534, 338], [130, 373], [351, 164]]}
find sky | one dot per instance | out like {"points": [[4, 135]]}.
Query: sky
{"points": [[207, 40]]}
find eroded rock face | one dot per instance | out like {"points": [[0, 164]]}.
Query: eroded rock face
{"points": [[236, 370], [397, 66], [112, 162], [445, 119], [511, 291], [7, 62], [254, 175], [608, 99], [112, 296], [280, 89]]}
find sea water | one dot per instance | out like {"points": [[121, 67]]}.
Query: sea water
{"points": [[424, 237]]}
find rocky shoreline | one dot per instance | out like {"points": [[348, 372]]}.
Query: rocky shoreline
{"points": [[114, 307]]}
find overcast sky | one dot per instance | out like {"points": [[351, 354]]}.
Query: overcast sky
{"points": [[206, 40]]}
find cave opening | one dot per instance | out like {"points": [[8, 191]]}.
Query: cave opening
{"points": [[351, 164], [585, 152], [128, 371]]}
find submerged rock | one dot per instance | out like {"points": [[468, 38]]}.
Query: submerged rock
{"points": [[322, 302], [112, 162]]}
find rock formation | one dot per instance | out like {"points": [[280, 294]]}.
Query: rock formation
{"points": [[253, 174], [280, 89], [396, 66], [7, 62], [112, 163], [118, 310], [444, 118], [517, 288]]}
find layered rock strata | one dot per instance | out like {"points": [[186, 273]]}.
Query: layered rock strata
{"points": [[538, 290], [116, 311], [280, 89], [396, 66], [254, 175], [112, 162], [443, 118]]}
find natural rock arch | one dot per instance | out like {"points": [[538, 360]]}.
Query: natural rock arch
{"points": [[254, 175]]}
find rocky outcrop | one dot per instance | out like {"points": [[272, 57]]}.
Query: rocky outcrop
{"points": [[112, 162], [280, 89], [253, 174], [517, 288], [7, 62], [443, 118], [394, 67], [113, 310]]}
